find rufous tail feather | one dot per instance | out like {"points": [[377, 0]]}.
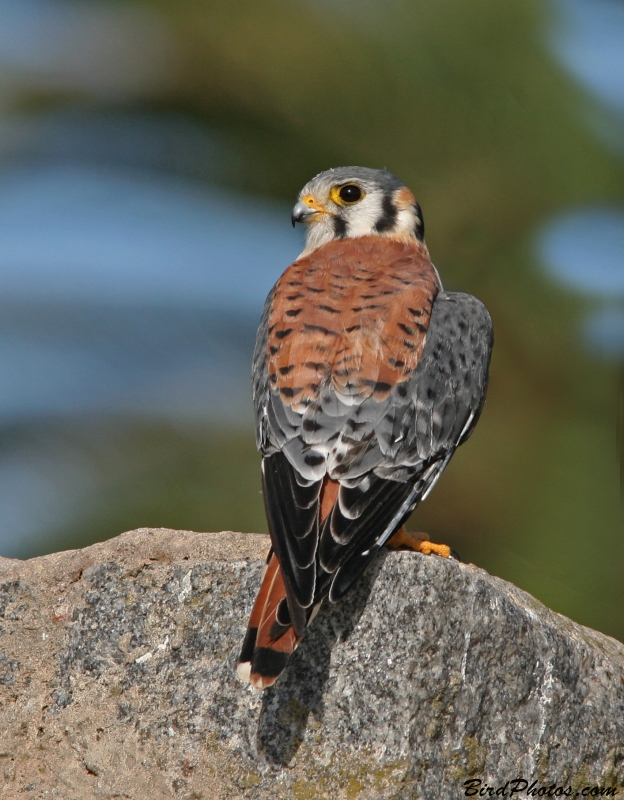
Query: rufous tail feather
{"points": [[270, 639], [268, 643]]}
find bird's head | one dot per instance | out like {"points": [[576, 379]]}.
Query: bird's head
{"points": [[347, 202]]}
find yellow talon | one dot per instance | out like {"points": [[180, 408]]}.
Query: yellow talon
{"points": [[418, 542], [440, 549]]}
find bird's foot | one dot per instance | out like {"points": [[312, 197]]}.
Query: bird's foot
{"points": [[418, 542]]}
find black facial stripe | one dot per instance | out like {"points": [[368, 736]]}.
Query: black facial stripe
{"points": [[340, 228], [388, 217], [419, 228]]}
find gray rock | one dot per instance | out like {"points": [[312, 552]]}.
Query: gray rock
{"points": [[117, 680]]}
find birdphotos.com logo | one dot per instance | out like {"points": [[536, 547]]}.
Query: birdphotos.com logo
{"points": [[520, 787]]}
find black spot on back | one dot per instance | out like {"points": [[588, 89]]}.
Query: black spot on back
{"points": [[311, 425], [286, 391]]}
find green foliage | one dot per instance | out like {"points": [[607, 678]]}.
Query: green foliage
{"points": [[152, 474]]}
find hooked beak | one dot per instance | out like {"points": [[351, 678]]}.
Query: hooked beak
{"points": [[305, 210]]}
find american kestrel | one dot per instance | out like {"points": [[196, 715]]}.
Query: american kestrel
{"points": [[366, 378]]}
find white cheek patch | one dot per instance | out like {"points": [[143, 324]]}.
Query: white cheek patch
{"points": [[406, 221], [362, 218]]}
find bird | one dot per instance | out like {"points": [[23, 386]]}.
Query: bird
{"points": [[366, 377]]}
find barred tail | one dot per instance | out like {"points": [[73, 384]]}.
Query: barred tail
{"points": [[270, 638]]}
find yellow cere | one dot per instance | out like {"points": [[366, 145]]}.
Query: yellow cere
{"points": [[312, 202]]}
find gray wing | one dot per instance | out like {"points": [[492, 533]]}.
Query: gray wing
{"points": [[386, 455]]}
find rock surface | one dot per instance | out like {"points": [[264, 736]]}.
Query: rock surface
{"points": [[117, 680]]}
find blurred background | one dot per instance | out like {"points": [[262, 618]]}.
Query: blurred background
{"points": [[150, 153]]}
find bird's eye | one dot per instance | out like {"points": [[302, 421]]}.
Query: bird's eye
{"points": [[350, 193]]}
